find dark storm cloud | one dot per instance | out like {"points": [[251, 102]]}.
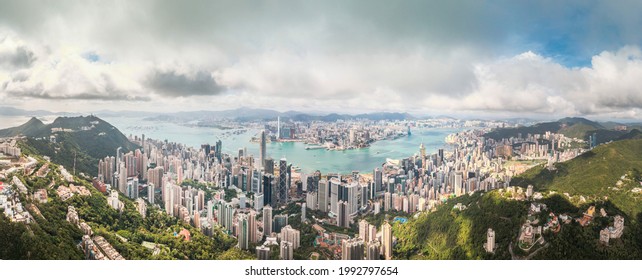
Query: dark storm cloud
{"points": [[171, 83], [113, 96], [20, 58]]}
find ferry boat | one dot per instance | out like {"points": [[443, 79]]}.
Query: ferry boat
{"points": [[314, 147]]}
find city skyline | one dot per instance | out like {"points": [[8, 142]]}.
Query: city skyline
{"points": [[501, 59]]}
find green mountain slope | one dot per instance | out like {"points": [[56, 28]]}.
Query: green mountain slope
{"points": [[51, 236], [449, 233], [32, 128], [571, 127], [87, 139], [605, 177], [595, 175], [633, 134]]}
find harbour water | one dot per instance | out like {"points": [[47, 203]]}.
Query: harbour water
{"points": [[363, 160]]}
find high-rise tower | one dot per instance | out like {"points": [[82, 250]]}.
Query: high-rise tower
{"points": [[386, 229], [283, 182], [262, 148]]}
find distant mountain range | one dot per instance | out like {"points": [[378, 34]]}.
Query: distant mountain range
{"points": [[579, 128], [10, 111], [240, 114], [248, 114]]}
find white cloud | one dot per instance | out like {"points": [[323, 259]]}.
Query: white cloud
{"points": [[529, 83], [414, 80]]}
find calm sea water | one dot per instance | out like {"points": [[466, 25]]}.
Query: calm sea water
{"points": [[364, 160]]}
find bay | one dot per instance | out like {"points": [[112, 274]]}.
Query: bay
{"points": [[363, 160]]}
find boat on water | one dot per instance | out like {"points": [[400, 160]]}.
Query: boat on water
{"points": [[314, 147]]}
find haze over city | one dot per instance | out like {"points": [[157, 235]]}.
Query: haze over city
{"points": [[479, 59]]}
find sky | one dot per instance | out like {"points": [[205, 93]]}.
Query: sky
{"points": [[474, 58]]}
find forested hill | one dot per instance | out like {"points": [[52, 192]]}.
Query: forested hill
{"points": [[579, 128], [85, 138], [610, 171], [609, 177]]}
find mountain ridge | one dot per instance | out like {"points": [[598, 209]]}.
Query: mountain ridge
{"points": [[572, 127], [81, 139]]}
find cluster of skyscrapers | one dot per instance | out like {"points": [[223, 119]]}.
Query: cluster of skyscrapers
{"points": [[179, 178]]}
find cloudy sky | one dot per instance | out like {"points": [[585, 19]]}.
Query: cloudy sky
{"points": [[500, 58]]}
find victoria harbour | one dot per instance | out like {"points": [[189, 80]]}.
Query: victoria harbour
{"points": [[363, 160], [346, 161]]}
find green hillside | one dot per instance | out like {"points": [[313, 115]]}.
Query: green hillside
{"points": [[589, 180], [595, 175], [87, 139], [51, 236], [33, 127], [633, 134], [539, 128], [579, 128], [449, 233]]}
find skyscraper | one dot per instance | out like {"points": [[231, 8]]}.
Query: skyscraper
{"points": [[458, 185], [267, 220], [288, 181], [278, 127], [210, 212], [286, 252], [342, 214], [122, 178], [490, 241], [311, 200], [155, 176], [373, 251], [119, 154], [334, 194], [378, 179], [352, 249], [150, 193], [291, 235], [244, 232], [363, 230], [422, 152], [218, 152], [262, 252], [283, 182], [252, 227], [268, 181], [258, 202], [280, 221], [386, 229], [206, 149], [262, 149], [228, 216], [323, 196], [269, 166], [256, 181], [200, 200], [387, 201], [352, 198]]}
